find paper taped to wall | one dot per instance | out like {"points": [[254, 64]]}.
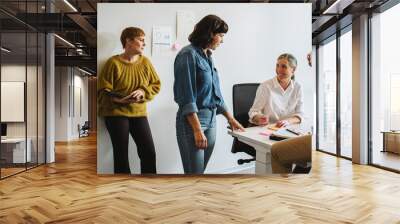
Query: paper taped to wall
{"points": [[161, 41]]}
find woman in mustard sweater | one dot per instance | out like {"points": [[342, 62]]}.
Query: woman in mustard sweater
{"points": [[126, 82]]}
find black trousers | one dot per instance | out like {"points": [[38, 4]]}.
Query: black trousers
{"points": [[119, 129]]}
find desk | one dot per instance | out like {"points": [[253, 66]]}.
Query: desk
{"points": [[391, 141], [261, 143], [13, 150]]}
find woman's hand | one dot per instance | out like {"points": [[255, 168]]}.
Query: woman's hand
{"points": [[235, 125], [200, 139], [124, 100], [282, 123], [260, 119], [138, 95], [134, 97]]}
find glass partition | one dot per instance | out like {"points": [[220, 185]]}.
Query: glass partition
{"points": [[327, 97], [346, 94], [14, 145], [385, 85], [22, 64]]}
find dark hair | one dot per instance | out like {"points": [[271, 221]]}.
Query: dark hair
{"points": [[130, 33], [205, 30], [292, 61]]}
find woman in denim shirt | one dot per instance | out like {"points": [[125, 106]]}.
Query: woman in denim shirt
{"points": [[197, 92]]}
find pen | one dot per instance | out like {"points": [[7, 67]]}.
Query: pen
{"points": [[291, 131]]}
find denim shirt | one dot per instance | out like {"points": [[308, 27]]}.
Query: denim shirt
{"points": [[196, 84]]}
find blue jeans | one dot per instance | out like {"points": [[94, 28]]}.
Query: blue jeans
{"points": [[195, 160]]}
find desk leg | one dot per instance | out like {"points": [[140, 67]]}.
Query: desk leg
{"points": [[263, 162], [384, 142]]}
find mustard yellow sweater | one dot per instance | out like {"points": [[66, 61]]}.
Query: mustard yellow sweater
{"points": [[121, 78]]}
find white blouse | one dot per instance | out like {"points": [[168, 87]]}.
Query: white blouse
{"points": [[278, 104]]}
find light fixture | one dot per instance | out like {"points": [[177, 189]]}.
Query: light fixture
{"points": [[80, 51], [64, 40], [84, 71], [70, 5], [5, 50], [337, 7]]}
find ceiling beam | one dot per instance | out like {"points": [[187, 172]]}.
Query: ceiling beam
{"points": [[85, 25], [82, 61]]}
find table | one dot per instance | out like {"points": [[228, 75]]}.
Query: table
{"points": [[391, 141], [13, 150], [261, 143]]}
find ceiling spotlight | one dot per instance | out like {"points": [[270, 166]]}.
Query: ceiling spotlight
{"points": [[84, 71], [70, 5], [65, 41], [5, 50]]}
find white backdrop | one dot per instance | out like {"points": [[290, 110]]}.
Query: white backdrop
{"points": [[257, 34]]}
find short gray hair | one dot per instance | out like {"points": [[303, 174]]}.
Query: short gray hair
{"points": [[290, 58], [292, 61]]}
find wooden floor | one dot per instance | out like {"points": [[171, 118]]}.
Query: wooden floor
{"points": [[70, 191], [10, 171]]}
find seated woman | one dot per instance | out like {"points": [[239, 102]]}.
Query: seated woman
{"points": [[279, 100]]}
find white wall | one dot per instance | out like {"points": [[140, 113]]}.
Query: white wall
{"points": [[68, 82], [17, 73], [81, 82], [61, 104], [14, 73], [33, 126], [258, 33]]}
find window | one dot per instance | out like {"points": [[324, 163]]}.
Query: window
{"points": [[385, 87], [327, 97], [346, 94]]}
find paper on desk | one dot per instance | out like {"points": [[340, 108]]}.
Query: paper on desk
{"points": [[284, 133], [273, 127], [280, 132], [270, 129], [266, 132]]}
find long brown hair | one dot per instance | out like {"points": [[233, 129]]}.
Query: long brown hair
{"points": [[205, 30]]}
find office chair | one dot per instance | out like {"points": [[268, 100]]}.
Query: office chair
{"points": [[84, 130], [243, 96]]}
